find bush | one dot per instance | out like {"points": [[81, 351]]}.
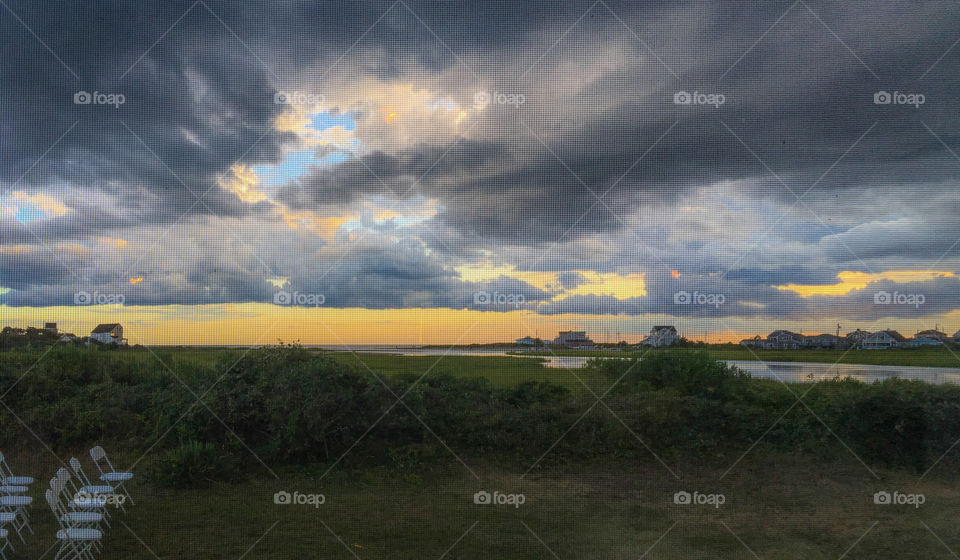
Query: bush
{"points": [[291, 406], [691, 372], [193, 464]]}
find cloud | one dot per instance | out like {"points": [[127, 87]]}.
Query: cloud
{"points": [[537, 142]]}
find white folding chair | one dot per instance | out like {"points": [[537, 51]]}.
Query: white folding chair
{"points": [[7, 518], [90, 489], [6, 543], [12, 499], [109, 474], [87, 486], [77, 500], [7, 477], [76, 542], [84, 517], [13, 510]]}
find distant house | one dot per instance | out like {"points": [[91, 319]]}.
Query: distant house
{"points": [[68, 338], [882, 340], [527, 341], [50, 327], [932, 333], [823, 341], [108, 333], [756, 342], [661, 335], [856, 337], [783, 340], [919, 341], [573, 339]]}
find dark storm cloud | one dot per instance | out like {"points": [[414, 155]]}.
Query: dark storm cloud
{"points": [[600, 119], [782, 276]]}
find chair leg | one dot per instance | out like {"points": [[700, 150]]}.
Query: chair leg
{"points": [[123, 489]]}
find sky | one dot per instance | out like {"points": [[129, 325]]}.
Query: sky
{"points": [[208, 172]]}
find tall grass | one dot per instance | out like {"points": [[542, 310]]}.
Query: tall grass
{"points": [[301, 408]]}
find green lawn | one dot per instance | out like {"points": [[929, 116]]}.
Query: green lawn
{"points": [[779, 506], [501, 371]]}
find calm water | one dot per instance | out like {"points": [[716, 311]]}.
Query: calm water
{"points": [[788, 372], [797, 372], [792, 372]]}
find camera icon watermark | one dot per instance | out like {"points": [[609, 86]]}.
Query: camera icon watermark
{"points": [[884, 498], [684, 498], [499, 299], [96, 98], [684, 297], [896, 298], [899, 98], [484, 498], [297, 298], [483, 98], [284, 498], [298, 98], [110, 499], [697, 98], [96, 298]]}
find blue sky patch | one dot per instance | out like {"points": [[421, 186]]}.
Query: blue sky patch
{"points": [[324, 120], [29, 213]]}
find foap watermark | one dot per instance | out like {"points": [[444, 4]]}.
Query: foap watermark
{"points": [[483, 98], [899, 98], [99, 98], [884, 498], [284, 498], [298, 298], [496, 298], [110, 499], [698, 98], [684, 297], [896, 298], [497, 498], [298, 98], [96, 298], [684, 498]]}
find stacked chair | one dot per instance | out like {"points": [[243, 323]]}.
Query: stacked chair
{"points": [[81, 506], [14, 505]]}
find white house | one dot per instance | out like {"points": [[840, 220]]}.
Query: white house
{"points": [[822, 341], [527, 341], [882, 340], [108, 333], [783, 340], [923, 341], [932, 333], [755, 342], [857, 336], [662, 335]]}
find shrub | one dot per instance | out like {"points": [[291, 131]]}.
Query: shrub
{"points": [[291, 405], [193, 464], [690, 372]]}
